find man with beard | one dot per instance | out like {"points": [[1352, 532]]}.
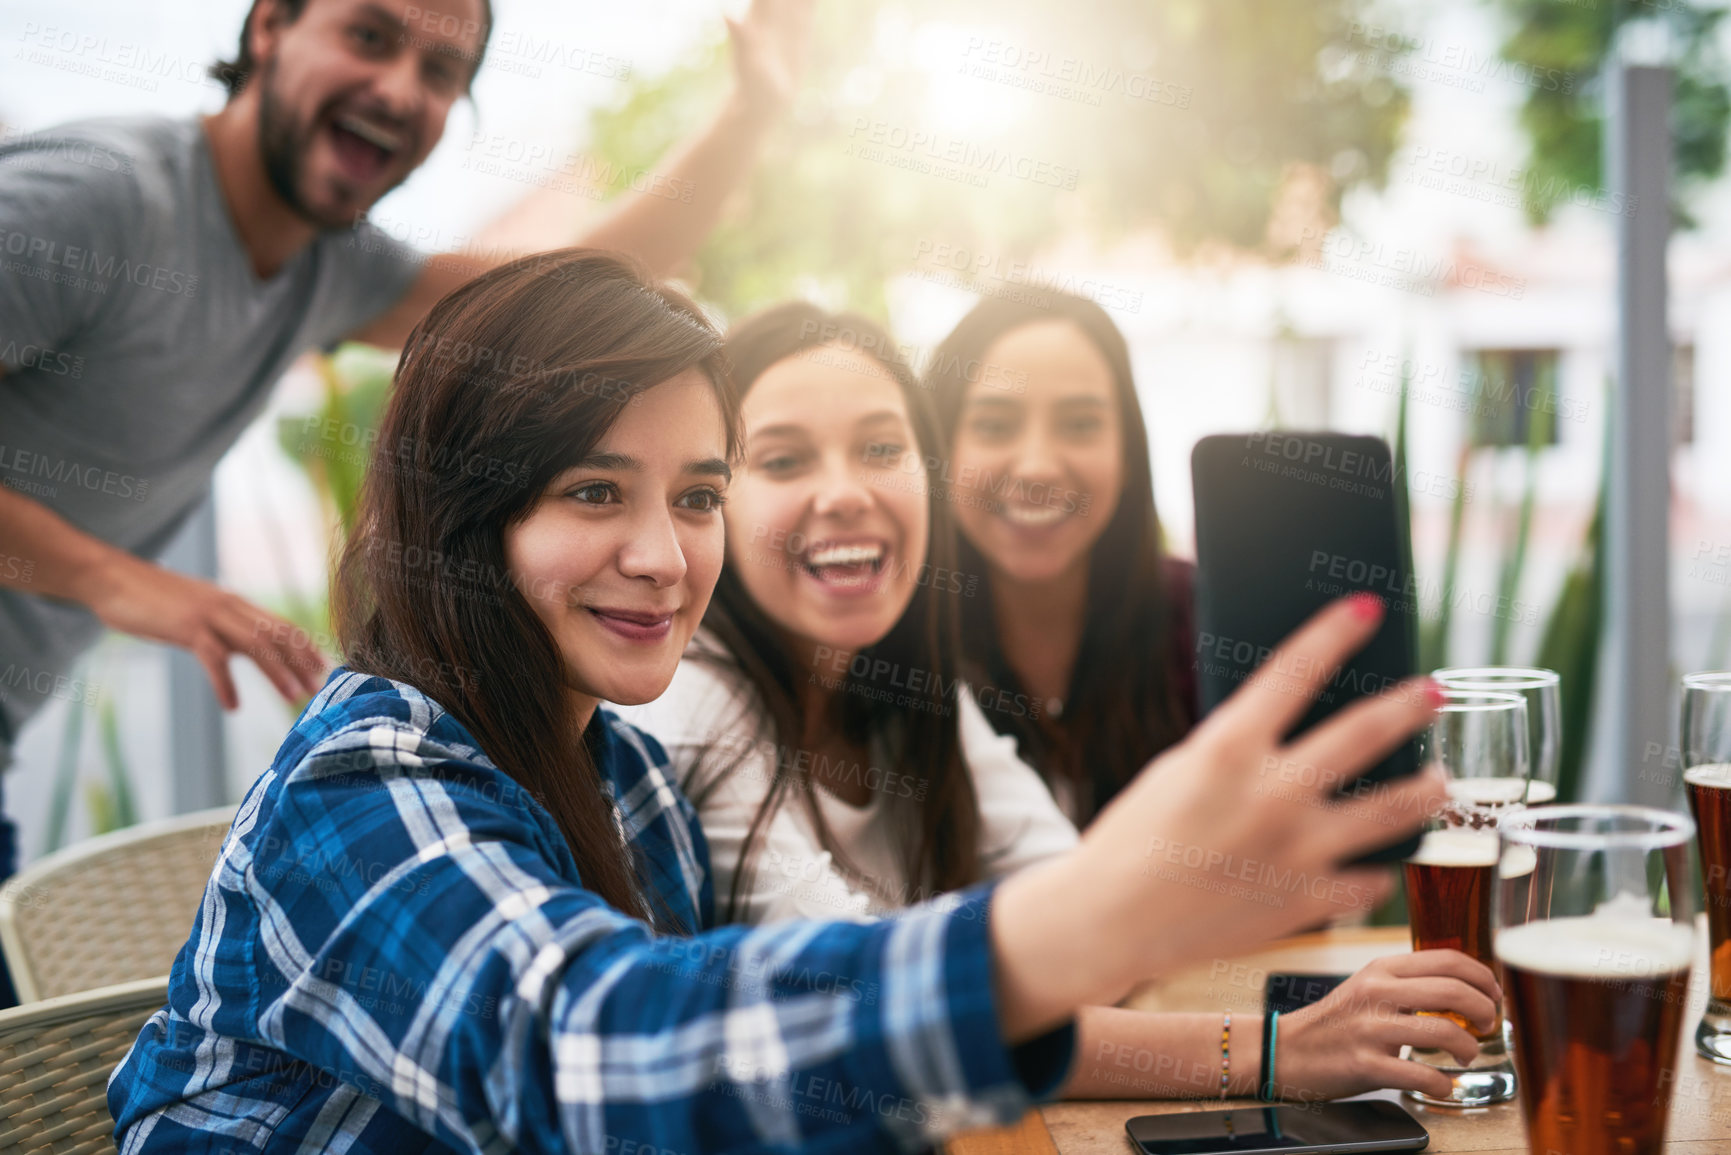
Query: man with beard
{"points": [[158, 276]]}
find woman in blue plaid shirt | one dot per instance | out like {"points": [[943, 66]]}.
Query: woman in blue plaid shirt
{"points": [[467, 909]]}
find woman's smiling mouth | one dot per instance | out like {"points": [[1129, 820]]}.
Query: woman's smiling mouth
{"points": [[634, 625], [849, 568]]}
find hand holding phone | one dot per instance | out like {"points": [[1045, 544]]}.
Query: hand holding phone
{"points": [[1192, 860], [1285, 524]]}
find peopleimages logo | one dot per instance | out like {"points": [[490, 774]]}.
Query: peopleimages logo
{"points": [[42, 475], [100, 57], [1400, 266], [874, 139], [42, 150], [1071, 77], [986, 267], [45, 257], [47, 684], [26, 355]]}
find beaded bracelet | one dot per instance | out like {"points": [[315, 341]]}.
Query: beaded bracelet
{"points": [[1225, 1052]]}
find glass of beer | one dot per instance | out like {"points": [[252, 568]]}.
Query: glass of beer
{"points": [[1707, 781], [1479, 738], [1596, 974], [1541, 689]]}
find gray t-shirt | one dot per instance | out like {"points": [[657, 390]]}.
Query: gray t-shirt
{"points": [[138, 344]]}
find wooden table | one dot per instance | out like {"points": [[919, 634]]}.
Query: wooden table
{"points": [[1700, 1105]]}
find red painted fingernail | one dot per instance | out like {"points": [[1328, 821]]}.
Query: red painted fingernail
{"points": [[1435, 694], [1366, 607]]}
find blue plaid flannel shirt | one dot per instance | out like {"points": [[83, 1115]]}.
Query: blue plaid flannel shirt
{"points": [[394, 953]]}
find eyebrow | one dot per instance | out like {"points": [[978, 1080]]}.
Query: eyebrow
{"points": [[383, 15], [710, 467], [790, 429], [624, 463], [470, 57], [1085, 400]]}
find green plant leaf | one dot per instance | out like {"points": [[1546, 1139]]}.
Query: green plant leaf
{"points": [[1572, 638], [1509, 578], [123, 812], [66, 770], [1403, 503], [99, 803], [1434, 640]]}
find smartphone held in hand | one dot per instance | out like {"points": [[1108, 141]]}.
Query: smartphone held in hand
{"points": [[1285, 524]]}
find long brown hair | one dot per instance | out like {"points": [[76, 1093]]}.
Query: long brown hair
{"points": [[507, 382], [938, 827], [1126, 700]]}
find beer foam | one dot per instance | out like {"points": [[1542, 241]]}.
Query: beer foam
{"points": [[1713, 774], [1456, 847], [1609, 947], [1489, 791], [1540, 792], [1518, 861]]}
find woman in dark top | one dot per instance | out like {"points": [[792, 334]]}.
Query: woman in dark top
{"points": [[1083, 635]]}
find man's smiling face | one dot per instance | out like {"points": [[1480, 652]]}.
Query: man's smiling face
{"points": [[353, 95]]}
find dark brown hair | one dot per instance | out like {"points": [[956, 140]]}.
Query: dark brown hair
{"points": [[508, 381], [938, 828], [1125, 702], [233, 74]]}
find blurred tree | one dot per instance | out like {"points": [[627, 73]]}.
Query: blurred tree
{"points": [[956, 136], [1566, 46]]}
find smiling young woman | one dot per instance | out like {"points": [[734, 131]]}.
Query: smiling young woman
{"points": [[467, 907], [1082, 611], [819, 723], [580, 509]]}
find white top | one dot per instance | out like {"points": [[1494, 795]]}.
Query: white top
{"points": [[794, 877]]}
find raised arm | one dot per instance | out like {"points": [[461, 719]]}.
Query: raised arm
{"points": [[664, 224], [769, 57], [1345, 1045], [1215, 849], [444, 965]]}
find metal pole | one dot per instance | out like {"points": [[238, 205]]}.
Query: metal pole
{"points": [[1637, 671], [197, 749]]}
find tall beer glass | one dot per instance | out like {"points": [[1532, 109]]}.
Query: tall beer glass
{"points": [[1707, 781], [1479, 738], [1596, 975], [1541, 689]]}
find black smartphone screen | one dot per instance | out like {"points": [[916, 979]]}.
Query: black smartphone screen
{"points": [[1285, 524], [1365, 1125], [1287, 992]]}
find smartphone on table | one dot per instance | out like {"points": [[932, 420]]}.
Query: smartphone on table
{"points": [[1285, 524], [1283, 1129]]}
